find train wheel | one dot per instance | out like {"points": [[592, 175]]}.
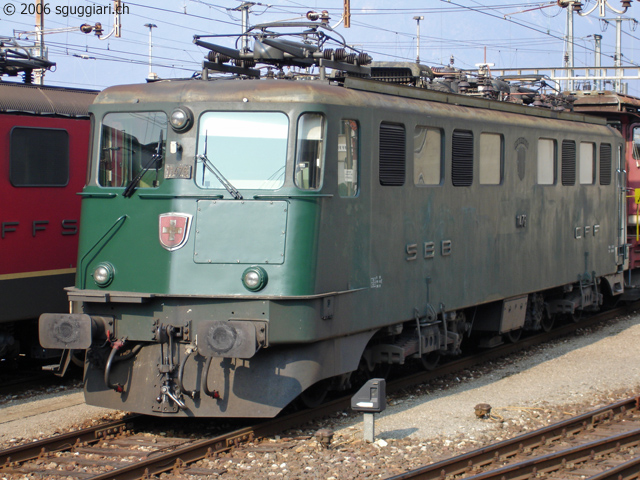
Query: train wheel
{"points": [[77, 358], [547, 321], [430, 360], [514, 335], [315, 394], [575, 317]]}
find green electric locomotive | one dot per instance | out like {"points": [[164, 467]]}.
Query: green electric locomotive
{"points": [[279, 232]]}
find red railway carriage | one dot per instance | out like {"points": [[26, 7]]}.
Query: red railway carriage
{"points": [[44, 137]]}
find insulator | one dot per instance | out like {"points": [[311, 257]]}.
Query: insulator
{"points": [[364, 59], [449, 74], [327, 54], [340, 54], [313, 16], [351, 58], [246, 63], [217, 57]]}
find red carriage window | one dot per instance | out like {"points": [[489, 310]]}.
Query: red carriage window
{"points": [[39, 157]]}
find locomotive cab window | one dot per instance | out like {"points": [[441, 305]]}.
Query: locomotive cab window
{"points": [[636, 144], [587, 163], [39, 157], [547, 159], [348, 157], [490, 161], [309, 151], [427, 156], [248, 149], [132, 145]]}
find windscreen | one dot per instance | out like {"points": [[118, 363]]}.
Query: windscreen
{"points": [[248, 148]]}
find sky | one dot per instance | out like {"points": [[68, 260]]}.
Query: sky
{"points": [[505, 33]]}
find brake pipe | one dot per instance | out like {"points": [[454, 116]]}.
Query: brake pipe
{"points": [[115, 346]]}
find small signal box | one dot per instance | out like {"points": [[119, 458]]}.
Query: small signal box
{"points": [[372, 397]]}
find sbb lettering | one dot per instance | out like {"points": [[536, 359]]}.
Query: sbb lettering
{"points": [[428, 250]]}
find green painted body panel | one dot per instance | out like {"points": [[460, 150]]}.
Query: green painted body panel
{"points": [[143, 265], [257, 239]]}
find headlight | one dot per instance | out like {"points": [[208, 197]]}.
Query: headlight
{"points": [[103, 274], [254, 278], [181, 119]]}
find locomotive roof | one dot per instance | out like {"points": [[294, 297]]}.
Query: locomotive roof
{"points": [[41, 100], [353, 92], [606, 101]]}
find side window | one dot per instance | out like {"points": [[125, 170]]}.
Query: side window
{"points": [[348, 156], [636, 144], [587, 163], [568, 162], [605, 164], [393, 166], [427, 156], [462, 158], [309, 151], [132, 144], [39, 157], [490, 162], [547, 159]]}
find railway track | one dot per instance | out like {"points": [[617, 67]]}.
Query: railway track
{"points": [[126, 450], [601, 444]]}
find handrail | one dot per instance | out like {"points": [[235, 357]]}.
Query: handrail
{"points": [[83, 279]]}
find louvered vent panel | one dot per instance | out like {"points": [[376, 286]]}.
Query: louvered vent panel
{"points": [[605, 164], [568, 162], [462, 158], [392, 154]]}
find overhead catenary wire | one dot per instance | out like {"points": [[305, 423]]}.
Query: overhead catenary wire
{"points": [[175, 51]]}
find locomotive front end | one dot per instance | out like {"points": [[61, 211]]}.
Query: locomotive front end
{"points": [[197, 265]]}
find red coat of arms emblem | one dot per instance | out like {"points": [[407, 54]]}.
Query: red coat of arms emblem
{"points": [[174, 230]]}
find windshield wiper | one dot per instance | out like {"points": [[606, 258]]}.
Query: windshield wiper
{"points": [[156, 159], [213, 169]]}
